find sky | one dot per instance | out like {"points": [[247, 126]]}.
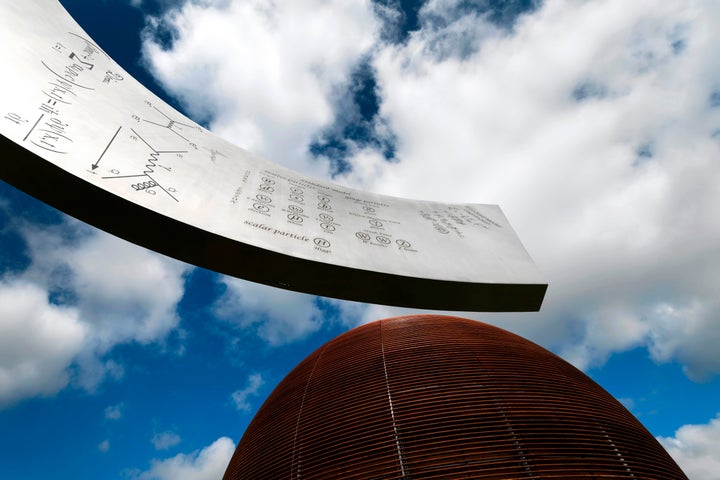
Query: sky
{"points": [[594, 124]]}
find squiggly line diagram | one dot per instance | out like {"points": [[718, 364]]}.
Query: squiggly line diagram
{"points": [[150, 167]]}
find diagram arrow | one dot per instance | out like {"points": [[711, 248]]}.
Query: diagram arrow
{"points": [[97, 162]]}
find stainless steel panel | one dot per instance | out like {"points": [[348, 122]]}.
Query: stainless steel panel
{"points": [[84, 136]]}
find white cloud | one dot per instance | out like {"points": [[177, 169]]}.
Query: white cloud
{"points": [[688, 332], [127, 293], [696, 448], [240, 397], [268, 70], [277, 316], [114, 412], [627, 240], [588, 122], [84, 293], [165, 440], [104, 446], [38, 341], [207, 464]]}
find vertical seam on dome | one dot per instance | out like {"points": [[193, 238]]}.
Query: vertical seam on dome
{"points": [[520, 448], [403, 471], [302, 403], [617, 452]]}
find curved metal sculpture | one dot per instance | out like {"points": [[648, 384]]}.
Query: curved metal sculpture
{"points": [[82, 135]]}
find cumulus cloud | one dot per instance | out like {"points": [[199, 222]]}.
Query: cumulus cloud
{"points": [[591, 124], [267, 71], [83, 293], [38, 341], [142, 288], [165, 440], [685, 332], [277, 316], [241, 397], [595, 125], [206, 464], [121, 291], [696, 448]]}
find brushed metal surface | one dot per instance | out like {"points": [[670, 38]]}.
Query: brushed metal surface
{"points": [[82, 135]]}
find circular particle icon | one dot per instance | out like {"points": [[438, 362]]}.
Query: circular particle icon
{"points": [[263, 198], [295, 208], [260, 207], [403, 243], [383, 240], [363, 236], [376, 223], [321, 242], [327, 227], [295, 218], [325, 217]]}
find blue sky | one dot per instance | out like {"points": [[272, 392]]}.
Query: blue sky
{"points": [[593, 124]]}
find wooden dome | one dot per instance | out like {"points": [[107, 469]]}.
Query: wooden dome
{"points": [[435, 397]]}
